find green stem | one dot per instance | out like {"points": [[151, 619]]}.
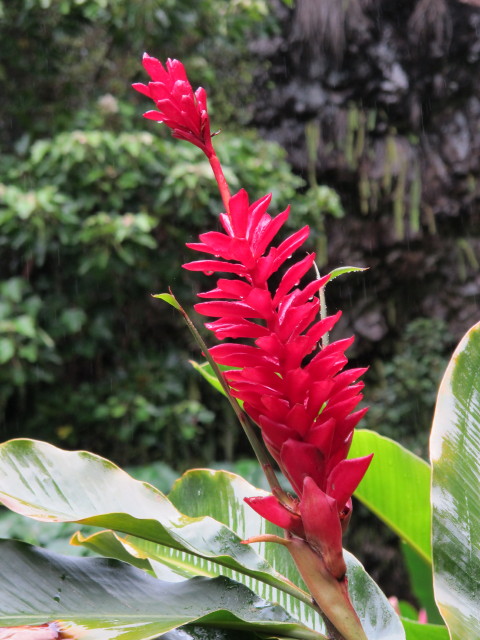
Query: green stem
{"points": [[323, 306]]}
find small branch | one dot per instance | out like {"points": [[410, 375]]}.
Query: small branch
{"points": [[323, 305], [267, 537]]}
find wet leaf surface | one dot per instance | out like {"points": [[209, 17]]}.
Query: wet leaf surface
{"points": [[103, 599], [455, 455], [43, 482]]}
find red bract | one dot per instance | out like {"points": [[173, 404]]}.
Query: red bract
{"points": [[184, 111], [295, 391]]}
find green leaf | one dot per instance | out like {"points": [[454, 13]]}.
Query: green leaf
{"points": [[110, 545], [455, 456], [220, 494], [73, 319], [159, 560], [97, 595], [174, 566], [41, 481], [418, 631], [376, 614], [407, 610], [396, 488], [206, 371], [7, 350], [167, 297], [421, 583], [340, 271], [24, 325]]}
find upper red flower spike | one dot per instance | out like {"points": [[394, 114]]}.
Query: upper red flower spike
{"points": [[181, 109], [295, 391]]}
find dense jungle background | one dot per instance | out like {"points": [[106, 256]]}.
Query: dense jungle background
{"points": [[364, 115]]}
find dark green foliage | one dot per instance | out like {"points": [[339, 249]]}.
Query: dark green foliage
{"points": [[59, 56], [92, 223], [95, 207], [401, 391]]}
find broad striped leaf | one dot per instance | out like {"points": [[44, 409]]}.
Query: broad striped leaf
{"points": [[92, 598], [455, 456]]}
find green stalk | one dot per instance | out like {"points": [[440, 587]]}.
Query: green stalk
{"points": [[323, 306]]}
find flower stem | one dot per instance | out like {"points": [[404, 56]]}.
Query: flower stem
{"points": [[330, 595], [323, 305], [221, 181]]}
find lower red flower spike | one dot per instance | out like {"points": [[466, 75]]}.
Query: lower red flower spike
{"points": [[294, 390]]}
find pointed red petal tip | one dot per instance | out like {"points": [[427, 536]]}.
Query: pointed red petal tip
{"points": [[141, 88], [269, 508], [345, 478]]}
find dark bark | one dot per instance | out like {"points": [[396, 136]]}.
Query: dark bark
{"points": [[393, 90]]}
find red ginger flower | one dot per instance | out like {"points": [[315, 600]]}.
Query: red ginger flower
{"points": [[184, 111], [303, 403]]}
